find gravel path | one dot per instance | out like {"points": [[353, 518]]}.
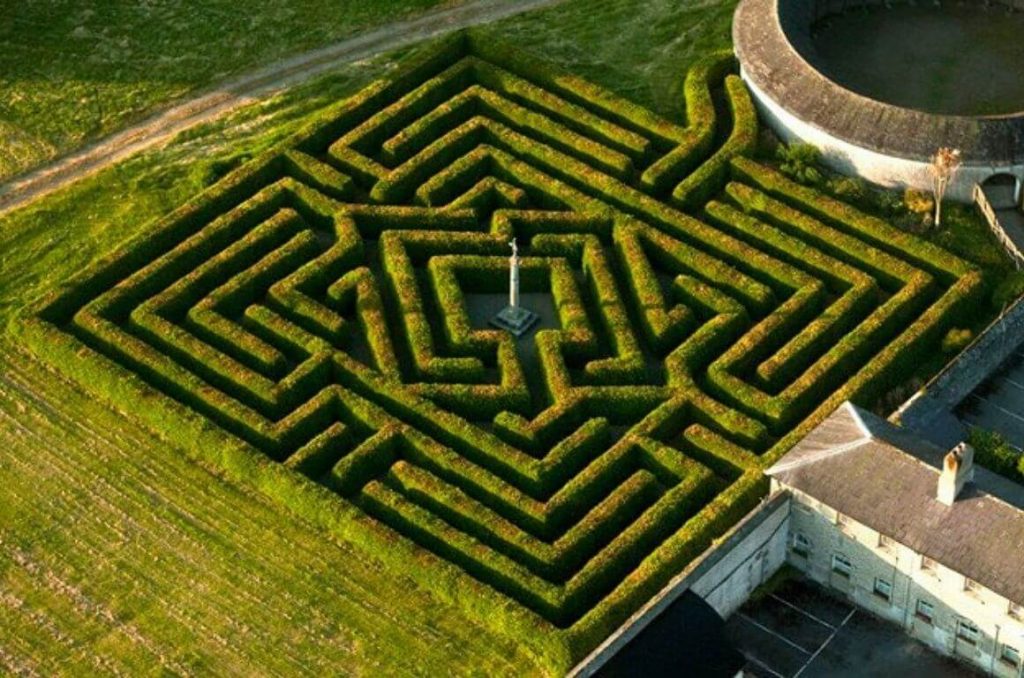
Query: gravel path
{"points": [[230, 95]]}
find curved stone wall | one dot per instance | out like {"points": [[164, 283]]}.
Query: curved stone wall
{"points": [[883, 143]]}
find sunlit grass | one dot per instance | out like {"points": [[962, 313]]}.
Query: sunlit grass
{"points": [[72, 71]]}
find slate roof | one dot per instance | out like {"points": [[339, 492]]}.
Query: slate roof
{"points": [[772, 42], [883, 477], [687, 639]]}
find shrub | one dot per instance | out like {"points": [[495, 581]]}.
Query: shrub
{"points": [[919, 202], [994, 453], [956, 340], [853, 190], [800, 162], [1009, 290], [708, 178], [701, 119]]}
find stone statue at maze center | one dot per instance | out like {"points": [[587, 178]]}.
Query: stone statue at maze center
{"points": [[514, 318]]}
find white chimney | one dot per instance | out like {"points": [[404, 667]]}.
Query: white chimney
{"points": [[957, 470]]}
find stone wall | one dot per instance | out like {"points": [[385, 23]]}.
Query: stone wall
{"points": [[929, 412], [883, 143], [743, 563], [879, 168]]}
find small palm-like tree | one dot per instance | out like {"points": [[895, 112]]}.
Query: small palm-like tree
{"points": [[945, 163]]}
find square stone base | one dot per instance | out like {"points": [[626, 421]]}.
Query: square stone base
{"points": [[515, 319]]}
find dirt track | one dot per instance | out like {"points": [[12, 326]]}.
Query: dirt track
{"points": [[227, 96]]}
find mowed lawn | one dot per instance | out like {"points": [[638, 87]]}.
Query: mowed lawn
{"points": [[71, 71], [119, 555]]}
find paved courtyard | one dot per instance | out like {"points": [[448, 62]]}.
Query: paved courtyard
{"points": [[801, 630], [998, 404]]}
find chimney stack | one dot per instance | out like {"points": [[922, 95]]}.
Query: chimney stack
{"points": [[957, 470]]}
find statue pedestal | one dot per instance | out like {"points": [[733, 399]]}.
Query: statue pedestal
{"points": [[515, 319]]}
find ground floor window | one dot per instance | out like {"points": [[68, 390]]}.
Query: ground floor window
{"points": [[1010, 656], [801, 545], [925, 611], [841, 565], [967, 631], [883, 589]]}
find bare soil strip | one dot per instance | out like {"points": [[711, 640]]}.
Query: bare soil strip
{"points": [[228, 96]]}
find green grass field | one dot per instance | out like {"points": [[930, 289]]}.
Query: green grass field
{"points": [[118, 554], [71, 71]]}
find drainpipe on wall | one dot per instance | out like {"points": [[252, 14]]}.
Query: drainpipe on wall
{"points": [[907, 612], [995, 650]]}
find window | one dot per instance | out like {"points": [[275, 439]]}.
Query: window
{"points": [[1010, 655], [967, 631], [929, 565], [925, 611], [1016, 611], [972, 586], [883, 589], [886, 543], [801, 545], [841, 565]]}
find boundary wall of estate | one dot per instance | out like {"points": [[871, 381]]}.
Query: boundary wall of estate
{"points": [[746, 557], [886, 144], [930, 411]]}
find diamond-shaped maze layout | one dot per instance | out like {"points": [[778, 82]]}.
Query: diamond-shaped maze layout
{"points": [[327, 304]]}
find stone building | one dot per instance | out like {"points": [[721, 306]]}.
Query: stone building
{"points": [[912, 533], [884, 143]]}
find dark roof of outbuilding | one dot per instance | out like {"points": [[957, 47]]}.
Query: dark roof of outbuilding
{"points": [[687, 639], [883, 477], [772, 42]]}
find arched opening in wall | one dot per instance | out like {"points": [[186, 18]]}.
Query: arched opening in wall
{"points": [[1003, 190]]}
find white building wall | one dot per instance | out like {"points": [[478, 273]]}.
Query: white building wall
{"points": [[885, 170], [747, 565], [830, 534]]}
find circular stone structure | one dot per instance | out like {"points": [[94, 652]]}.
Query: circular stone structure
{"points": [[790, 71]]}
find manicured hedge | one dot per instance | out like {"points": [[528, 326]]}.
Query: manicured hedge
{"points": [[578, 91], [673, 167], [310, 309], [707, 179]]}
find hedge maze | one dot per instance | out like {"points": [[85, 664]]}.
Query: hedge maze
{"points": [[307, 319]]}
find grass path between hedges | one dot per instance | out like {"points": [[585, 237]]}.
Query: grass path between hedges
{"points": [[109, 577], [249, 88]]}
